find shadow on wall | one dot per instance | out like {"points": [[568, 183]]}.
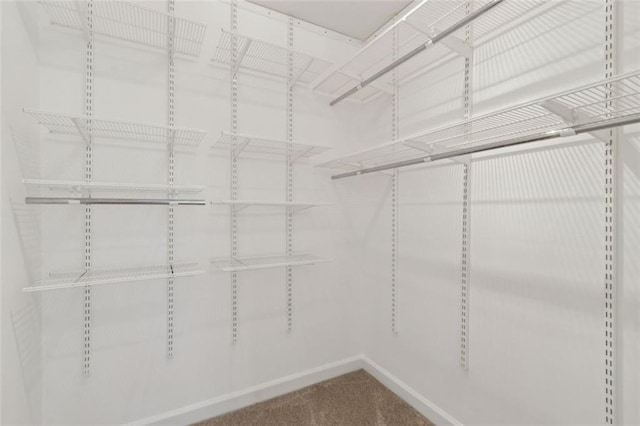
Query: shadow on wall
{"points": [[629, 294], [26, 327], [560, 48]]}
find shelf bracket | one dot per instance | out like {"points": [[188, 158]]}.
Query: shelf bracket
{"points": [[238, 150], [82, 10], [241, 55], [81, 130], [296, 155], [300, 73], [455, 44], [374, 84], [573, 116]]}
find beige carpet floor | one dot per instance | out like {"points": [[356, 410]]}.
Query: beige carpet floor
{"points": [[354, 399]]}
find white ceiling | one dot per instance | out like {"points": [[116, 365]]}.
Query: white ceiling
{"points": [[355, 18]]}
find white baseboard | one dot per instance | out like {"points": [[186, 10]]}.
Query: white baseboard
{"points": [[424, 406], [235, 400]]}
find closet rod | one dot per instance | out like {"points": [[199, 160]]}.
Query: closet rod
{"points": [[434, 40], [131, 201], [567, 131]]}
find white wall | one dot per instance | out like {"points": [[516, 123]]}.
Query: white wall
{"points": [[537, 240], [21, 386]]}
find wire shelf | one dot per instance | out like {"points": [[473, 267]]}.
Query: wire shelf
{"points": [[265, 262], [600, 103], [79, 187], [131, 22], [418, 27], [296, 206], [68, 124], [257, 144], [266, 58], [62, 280]]}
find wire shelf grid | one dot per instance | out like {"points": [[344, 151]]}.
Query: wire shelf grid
{"points": [[68, 124], [131, 22], [416, 30], [261, 145], [588, 105], [63, 280], [265, 262], [269, 59]]}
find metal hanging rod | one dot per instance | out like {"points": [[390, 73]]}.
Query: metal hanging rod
{"points": [[552, 134], [107, 201], [432, 41]]}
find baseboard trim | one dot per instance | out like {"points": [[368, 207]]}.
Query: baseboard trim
{"points": [[235, 400], [424, 406]]}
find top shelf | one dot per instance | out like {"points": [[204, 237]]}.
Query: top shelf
{"points": [[415, 28], [270, 59], [131, 22], [588, 109], [68, 124], [258, 144]]}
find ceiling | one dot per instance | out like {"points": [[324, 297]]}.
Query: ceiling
{"points": [[354, 18]]}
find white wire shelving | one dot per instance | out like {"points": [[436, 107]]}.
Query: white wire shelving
{"points": [[588, 109], [68, 124], [266, 262], [129, 21], [296, 206], [65, 280], [87, 188], [261, 145], [269, 59], [416, 27]]}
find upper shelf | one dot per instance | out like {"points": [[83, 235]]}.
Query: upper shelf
{"points": [[269, 59], [258, 144], [129, 21], [588, 109], [68, 124], [416, 28]]}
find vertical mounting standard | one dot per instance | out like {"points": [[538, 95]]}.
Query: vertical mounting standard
{"points": [[466, 206], [88, 175], [610, 274], [170, 220], [289, 164], [395, 186], [233, 158]]}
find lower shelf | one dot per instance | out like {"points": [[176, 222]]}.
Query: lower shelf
{"points": [[60, 280], [265, 262]]}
